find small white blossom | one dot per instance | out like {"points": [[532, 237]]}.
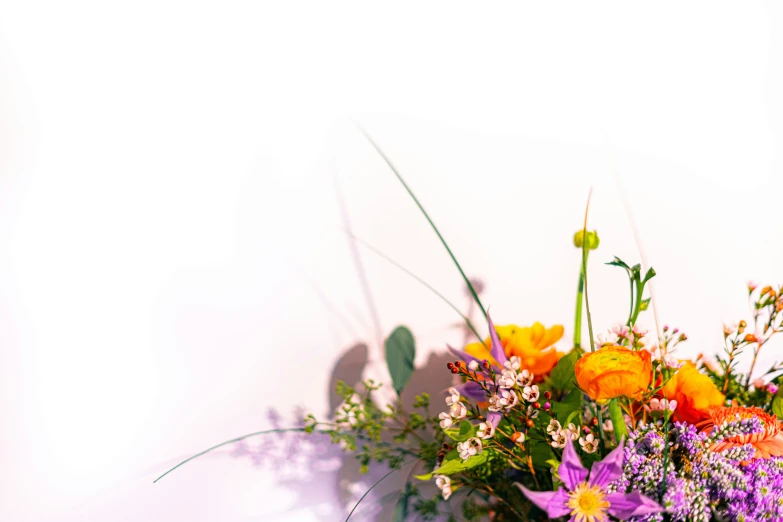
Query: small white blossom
{"points": [[458, 411], [638, 332], [512, 364], [511, 398], [621, 331], [607, 338], [524, 378], [553, 427], [444, 485], [589, 443], [445, 420], [558, 439], [655, 352], [661, 405], [711, 364], [608, 426], [469, 448], [453, 397], [473, 365], [532, 413], [486, 430], [729, 328], [497, 402], [572, 431], [530, 393], [671, 361], [507, 379]]}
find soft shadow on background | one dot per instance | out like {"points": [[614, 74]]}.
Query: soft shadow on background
{"points": [[173, 259]]}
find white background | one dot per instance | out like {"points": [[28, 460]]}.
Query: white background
{"points": [[168, 217]]}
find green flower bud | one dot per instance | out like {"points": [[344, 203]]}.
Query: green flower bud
{"points": [[592, 239]]}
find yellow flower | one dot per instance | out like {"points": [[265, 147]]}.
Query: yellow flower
{"points": [[696, 395], [532, 344], [614, 371]]}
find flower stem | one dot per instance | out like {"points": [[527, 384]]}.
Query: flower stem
{"points": [[580, 290], [616, 414]]}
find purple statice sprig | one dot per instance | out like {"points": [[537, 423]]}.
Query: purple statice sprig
{"points": [[700, 484]]}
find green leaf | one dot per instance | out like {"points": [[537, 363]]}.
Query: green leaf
{"points": [[562, 376], [619, 262], [400, 353], [571, 403], [465, 431], [649, 275], [777, 403], [644, 305], [457, 465], [540, 453]]}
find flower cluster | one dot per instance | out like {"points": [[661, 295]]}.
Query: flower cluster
{"points": [[626, 429]]}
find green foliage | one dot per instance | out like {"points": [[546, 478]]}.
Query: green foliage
{"points": [[777, 403], [462, 433], [570, 404], [562, 376], [400, 354], [457, 465]]}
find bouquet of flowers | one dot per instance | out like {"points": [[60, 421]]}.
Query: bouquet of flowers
{"points": [[622, 429]]}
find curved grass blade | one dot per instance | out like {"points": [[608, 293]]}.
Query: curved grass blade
{"points": [[432, 224], [373, 486], [584, 271], [377, 252], [197, 455]]}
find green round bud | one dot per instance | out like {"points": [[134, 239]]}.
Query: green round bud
{"points": [[592, 239]]}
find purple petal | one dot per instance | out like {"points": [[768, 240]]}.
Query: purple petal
{"points": [[462, 355], [626, 505], [497, 350], [609, 469], [472, 391], [494, 418], [571, 471], [553, 502]]}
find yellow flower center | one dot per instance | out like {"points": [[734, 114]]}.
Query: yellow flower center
{"points": [[588, 504]]}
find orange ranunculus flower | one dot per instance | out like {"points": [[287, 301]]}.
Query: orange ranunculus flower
{"points": [[532, 344], [696, 395], [614, 371], [768, 443]]}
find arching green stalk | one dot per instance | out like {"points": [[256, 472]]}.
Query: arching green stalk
{"points": [[465, 318], [373, 486], [197, 455], [432, 224]]}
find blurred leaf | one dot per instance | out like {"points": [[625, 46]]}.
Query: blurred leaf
{"points": [[562, 376], [777, 403], [571, 403], [457, 465], [619, 262], [465, 431], [540, 453], [400, 353]]}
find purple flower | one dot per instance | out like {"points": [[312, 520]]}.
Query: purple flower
{"points": [[587, 499]]}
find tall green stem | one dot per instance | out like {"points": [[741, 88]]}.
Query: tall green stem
{"points": [[580, 290], [616, 414]]}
